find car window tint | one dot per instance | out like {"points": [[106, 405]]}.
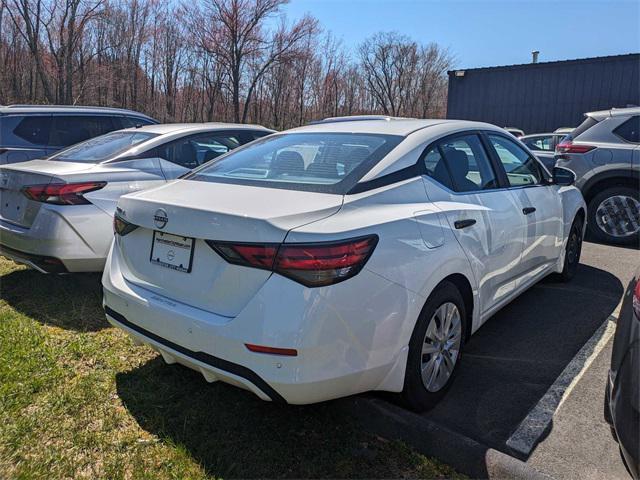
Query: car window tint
{"points": [[33, 129], [437, 169], [468, 164], [520, 167], [630, 130], [70, 129]]}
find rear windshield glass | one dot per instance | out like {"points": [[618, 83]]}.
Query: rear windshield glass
{"points": [[102, 148], [321, 162]]}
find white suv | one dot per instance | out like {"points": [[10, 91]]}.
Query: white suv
{"points": [[340, 257]]}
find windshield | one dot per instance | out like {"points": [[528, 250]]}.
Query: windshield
{"points": [[321, 162], [103, 147]]}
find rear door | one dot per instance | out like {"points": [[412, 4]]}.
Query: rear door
{"points": [[538, 203], [484, 217]]}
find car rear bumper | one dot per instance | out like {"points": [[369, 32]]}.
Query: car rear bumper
{"points": [[77, 236], [341, 350]]}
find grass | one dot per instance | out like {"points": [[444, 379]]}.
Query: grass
{"points": [[79, 400]]}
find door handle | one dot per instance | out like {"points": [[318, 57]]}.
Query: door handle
{"points": [[528, 210], [464, 223]]}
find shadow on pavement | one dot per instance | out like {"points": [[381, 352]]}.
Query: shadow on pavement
{"points": [[517, 355], [72, 302]]}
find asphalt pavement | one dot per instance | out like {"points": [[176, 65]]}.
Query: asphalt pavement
{"points": [[539, 365]]}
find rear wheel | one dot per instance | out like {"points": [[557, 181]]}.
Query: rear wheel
{"points": [[435, 348], [614, 215]]}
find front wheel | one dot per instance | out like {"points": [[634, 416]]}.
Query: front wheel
{"points": [[435, 348], [614, 216]]}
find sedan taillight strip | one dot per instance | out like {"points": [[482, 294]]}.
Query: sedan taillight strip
{"points": [[312, 264], [62, 193]]}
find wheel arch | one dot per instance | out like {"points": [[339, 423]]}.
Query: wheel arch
{"points": [[610, 179], [463, 285]]}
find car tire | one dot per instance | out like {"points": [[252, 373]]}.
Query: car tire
{"points": [[434, 349], [628, 218], [572, 251]]}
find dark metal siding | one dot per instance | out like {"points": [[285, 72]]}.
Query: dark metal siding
{"points": [[541, 97]]}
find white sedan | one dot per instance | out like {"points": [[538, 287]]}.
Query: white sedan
{"points": [[56, 214], [354, 254]]}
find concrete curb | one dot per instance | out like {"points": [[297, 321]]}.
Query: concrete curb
{"points": [[460, 452]]}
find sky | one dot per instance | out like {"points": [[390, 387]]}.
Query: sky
{"points": [[486, 33]]}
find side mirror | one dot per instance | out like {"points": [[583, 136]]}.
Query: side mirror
{"points": [[563, 176]]}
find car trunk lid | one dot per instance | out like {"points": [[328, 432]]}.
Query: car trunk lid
{"points": [[186, 213]]}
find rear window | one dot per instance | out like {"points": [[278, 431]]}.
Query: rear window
{"points": [[583, 127], [102, 148], [322, 162]]}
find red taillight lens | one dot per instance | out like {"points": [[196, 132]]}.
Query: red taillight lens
{"points": [[636, 299], [567, 146], [312, 264], [62, 193]]}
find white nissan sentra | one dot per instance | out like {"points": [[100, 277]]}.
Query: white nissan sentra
{"points": [[350, 255], [56, 214]]}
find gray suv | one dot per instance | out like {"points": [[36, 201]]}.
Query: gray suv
{"points": [[604, 153], [33, 131]]}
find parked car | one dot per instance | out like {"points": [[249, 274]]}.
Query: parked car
{"points": [[56, 214], [35, 131], [340, 257], [604, 153], [622, 398], [543, 146], [516, 132]]}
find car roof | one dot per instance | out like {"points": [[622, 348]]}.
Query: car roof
{"points": [[164, 128], [380, 125], [70, 109], [613, 112]]}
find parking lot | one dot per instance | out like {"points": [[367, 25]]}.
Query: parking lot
{"points": [[532, 385]]}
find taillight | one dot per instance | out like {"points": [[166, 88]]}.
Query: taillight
{"points": [[312, 264], [636, 299], [567, 146], [62, 193], [121, 226]]}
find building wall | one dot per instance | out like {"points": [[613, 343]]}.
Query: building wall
{"points": [[544, 96]]}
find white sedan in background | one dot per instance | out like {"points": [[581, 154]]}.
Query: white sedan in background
{"points": [[350, 255], [56, 214]]}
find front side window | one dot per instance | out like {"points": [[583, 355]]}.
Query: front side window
{"points": [[323, 162], [130, 122], [521, 168], [630, 130], [102, 148], [468, 164], [71, 129]]}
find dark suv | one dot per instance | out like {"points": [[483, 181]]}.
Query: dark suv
{"points": [[604, 153], [33, 131]]}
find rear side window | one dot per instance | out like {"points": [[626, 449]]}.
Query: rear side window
{"points": [[33, 129], [322, 162], [630, 130], [191, 152], [70, 129], [468, 164], [583, 127], [437, 169]]}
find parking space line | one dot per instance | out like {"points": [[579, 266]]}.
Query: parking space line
{"points": [[528, 433]]}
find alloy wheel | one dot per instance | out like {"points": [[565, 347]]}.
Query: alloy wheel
{"points": [[619, 216], [441, 347]]}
